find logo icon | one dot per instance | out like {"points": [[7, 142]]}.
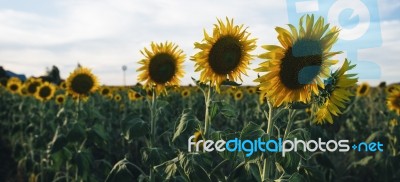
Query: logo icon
{"points": [[358, 21]]}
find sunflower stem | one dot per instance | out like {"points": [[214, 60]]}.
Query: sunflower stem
{"points": [[267, 163], [290, 123], [153, 116], [207, 115]]}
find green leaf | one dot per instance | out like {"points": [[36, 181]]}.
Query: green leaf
{"points": [[193, 167], [228, 110], [252, 132], [153, 156], [83, 160], [290, 162], [58, 144], [76, 134], [137, 128], [188, 122], [122, 171], [230, 83]]}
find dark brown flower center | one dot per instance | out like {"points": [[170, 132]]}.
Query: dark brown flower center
{"points": [[14, 87], [162, 68], [225, 55], [44, 92], [32, 87], [82, 84], [301, 64], [363, 89]]}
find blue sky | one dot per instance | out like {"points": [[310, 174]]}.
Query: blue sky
{"points": [[104, 35]]}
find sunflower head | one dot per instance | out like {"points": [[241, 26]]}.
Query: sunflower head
{"points": [[238, 95], [63, 85], [185, 93], [335, 94], [132, 95], [363, 89], [14, 85], [105, 91], [393, 101], [251, 90], [32, 84], [162, 66], [45, 91], [82, 82], [60, 99], [225, 54], [117, 97], [296, 69], [389, 89]]}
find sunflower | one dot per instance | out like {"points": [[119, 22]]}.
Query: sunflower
{"points": [[162, 66], [197, 137], [263, 98], [391, 88], [132, 95], [363, 89], [82, 82], [185, 93], [393, 101], [225, 54], [117, 97], [238, 95], [32, 84], [105, 91], [60, 99], [251, 90], [335, 94], [14, 85], [63, 85], [297, 68], [45, 91]]}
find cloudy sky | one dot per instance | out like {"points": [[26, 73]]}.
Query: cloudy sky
{"points": [[105, 35]]}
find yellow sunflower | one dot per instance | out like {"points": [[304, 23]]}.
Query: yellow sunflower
{"points": [[393, 123], [60, 99], [82, 82], [132, 95], [162, 66], [238, 95], [263, 97], [363, 89], [32, 84], [14, 85], [225, 54], [393, 101], [185, 93], [117, 97], [45, 91], [336, 93], [63, 85], [391, 88], [251, 90], [105, 91], [296, 68]]}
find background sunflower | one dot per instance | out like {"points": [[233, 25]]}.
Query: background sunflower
{"points": [[393, 101], [363, 89], [162, 66], [225, 54], [45, 91], [82, 82]]}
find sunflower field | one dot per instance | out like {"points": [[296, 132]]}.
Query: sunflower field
{"points": [[158, 130]]}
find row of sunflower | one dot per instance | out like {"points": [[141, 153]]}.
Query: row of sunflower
{"points": [[140, 133]]}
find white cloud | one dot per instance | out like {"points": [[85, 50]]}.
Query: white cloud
{"points": [[104, 35]]}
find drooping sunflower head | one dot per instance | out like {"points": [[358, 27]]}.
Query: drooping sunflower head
{"points": [[185, 93], [225, 54], [393, 101], [162, 66], [82, 82], [14, 85], [60, 99], [296, 69], [363, 89], [45, 91], [335, 94]]}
